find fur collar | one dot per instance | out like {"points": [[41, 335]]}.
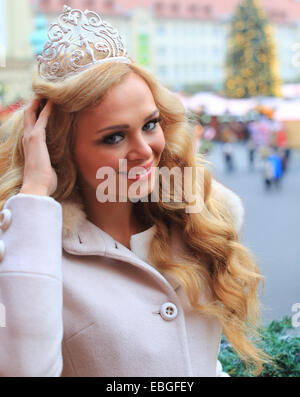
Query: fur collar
{"points": [[74, 215], [231, 201]]}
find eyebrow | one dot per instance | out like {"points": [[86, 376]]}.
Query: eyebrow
{"points": [[123, 126]]}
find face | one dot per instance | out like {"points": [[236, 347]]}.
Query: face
{"points": [[125, 126]]}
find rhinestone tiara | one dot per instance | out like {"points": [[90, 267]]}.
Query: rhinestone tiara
{"points": [[79, 40]]}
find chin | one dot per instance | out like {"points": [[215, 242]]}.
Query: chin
{"points": [[141, 189]]}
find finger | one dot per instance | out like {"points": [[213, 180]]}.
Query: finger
{"points": [[44, 116], [33, 104], [30, 114]]}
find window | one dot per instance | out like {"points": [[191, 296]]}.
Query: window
{"points": [[280, 14], [162, 71], [44, 4], [161, 29], [174, 7], [109, 3], [162, 51], [207, 9], [193, 8], [158, 6], [89, 4]]}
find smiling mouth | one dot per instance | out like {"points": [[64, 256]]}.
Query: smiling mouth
{"points": [[138, 171]]}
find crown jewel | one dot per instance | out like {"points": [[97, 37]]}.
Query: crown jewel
{"points": [[79, 40]]}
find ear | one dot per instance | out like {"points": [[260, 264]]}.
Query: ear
{"points": [[231, 201]]}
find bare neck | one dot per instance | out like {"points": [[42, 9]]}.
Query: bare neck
{"points": [[119, 220]]}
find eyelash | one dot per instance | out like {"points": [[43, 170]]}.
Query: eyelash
{"points": [[104, 141]]}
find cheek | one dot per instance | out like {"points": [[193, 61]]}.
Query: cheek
{"points": [[159, 144], [89, 159]]}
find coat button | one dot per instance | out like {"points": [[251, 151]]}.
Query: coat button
{"points": [[2, 250], [5, 219], [168, 311]]}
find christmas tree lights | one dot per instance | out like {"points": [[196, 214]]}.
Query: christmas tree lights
{"points": [[251, 67]]}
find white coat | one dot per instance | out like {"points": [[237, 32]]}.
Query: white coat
{"points": [[78, 303]]}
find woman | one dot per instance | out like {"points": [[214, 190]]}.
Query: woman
{"points": [[118, 288]]}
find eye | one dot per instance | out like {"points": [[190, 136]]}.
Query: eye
{"points": [[110, 139], [154, 122]]}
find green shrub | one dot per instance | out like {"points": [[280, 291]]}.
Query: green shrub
{"points": [[278, 341]]}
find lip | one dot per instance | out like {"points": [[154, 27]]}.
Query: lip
{"points": [[145, 166], [142, 176]]}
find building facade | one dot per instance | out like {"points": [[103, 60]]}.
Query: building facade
{"points": [[183, 42], [17, 58]]}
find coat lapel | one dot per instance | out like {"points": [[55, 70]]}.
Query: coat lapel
{"points": [[74, 217], [81, 237]]}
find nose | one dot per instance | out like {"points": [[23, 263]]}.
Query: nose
{"points": [[139, 149]]}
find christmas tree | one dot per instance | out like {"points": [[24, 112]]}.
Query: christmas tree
{"points": [[251, 66]]}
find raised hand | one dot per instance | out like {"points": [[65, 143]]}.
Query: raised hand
{"points": [[39, 176]]}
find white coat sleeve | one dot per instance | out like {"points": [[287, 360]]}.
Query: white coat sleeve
{"points": [[31, 287]]}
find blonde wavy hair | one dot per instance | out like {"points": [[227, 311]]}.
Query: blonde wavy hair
{"points": [[216, 261]]}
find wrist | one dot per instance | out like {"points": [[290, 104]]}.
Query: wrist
{"points": [[35, 190]]}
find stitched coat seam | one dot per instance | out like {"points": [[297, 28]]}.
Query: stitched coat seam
{"points": [[70, 359], [23, 273], [78, 332]]}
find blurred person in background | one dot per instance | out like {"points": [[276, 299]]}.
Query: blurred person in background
{"points": [[227, 150], [251, 145], [208, 136], [275, 160], [203, 138], [268, 172], [282, 145], [228, 138], [272, 169], [198, 131]]}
